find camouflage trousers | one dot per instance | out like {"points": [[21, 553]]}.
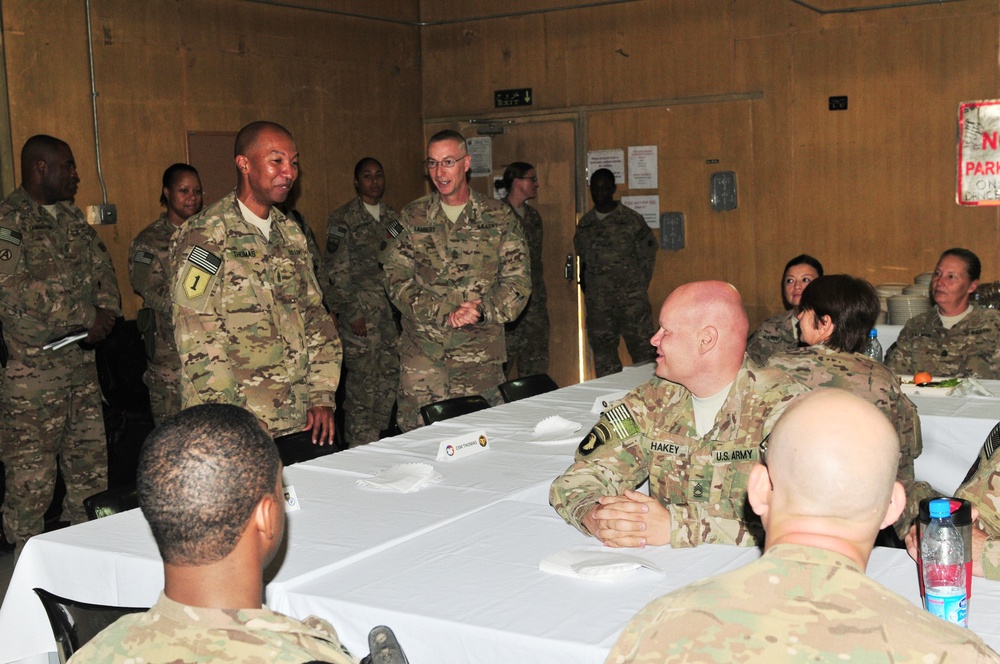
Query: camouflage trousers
{"points": [[614, 317], [50, 414], [424, 381], [164, 383], [528, 341], [371, 379]]}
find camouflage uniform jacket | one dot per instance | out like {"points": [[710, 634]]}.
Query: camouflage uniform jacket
{"points": [[972, 346], [795, 604], [618, 253], [355, 282], [175, 632], [819, 366], [702, 481], [249, 320], [779, 334], [149, 273], [436, 264], [54, 272], [531, 224], [983, 491]]}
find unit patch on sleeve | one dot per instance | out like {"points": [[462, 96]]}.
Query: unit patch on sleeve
{"points": [[10, 250], [201, 273]]}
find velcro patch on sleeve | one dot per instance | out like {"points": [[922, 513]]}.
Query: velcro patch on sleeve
{"points": [[200, 275], [598, 436], [205, 259], [10, 250], [395, 228], [141, 264], [334, 236], [622, 421]]}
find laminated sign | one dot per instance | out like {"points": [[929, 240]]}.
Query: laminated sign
{"points": [[979, 153]]}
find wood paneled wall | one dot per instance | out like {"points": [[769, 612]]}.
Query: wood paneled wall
{"points": [[870, 191], [345, 87]]}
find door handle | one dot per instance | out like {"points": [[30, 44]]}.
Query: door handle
{"points": [[568, 268]]}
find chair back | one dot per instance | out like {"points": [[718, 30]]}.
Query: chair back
{"points": [[111, 501], [74, 623], [527, 386], [449, 408]]}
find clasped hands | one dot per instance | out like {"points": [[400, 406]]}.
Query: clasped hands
{"points": [[467, 313], [630, 520]]}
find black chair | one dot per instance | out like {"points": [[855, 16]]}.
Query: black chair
{"points": [[111, 501], [449, 408], [528, 386], [74, 623]]}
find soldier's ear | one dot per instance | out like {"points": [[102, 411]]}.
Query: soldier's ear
{"points": [[708, 338], [759, 490], [897, 502]]}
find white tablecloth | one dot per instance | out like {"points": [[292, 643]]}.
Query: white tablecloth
{"points": [[452, 568]]}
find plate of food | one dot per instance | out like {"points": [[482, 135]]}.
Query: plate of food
{"points": [[924, 384]]}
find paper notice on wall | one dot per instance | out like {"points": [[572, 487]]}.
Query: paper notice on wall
{"points": [[642, 167], [979, 153], [647, 206], [613, 160], [481, 149]]}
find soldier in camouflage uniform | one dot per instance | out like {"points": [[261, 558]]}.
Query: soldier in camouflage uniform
{"points": [[956, 338], [214, 552], [617, 252], [836, 313], [457, 273], [807, 598], [249, 320], [147, 270], [55, 277], [528, 336], [694, 431], [355, 290], [781, 333]]}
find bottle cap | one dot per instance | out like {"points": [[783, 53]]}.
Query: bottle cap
{"points": [[873, 334], [940, 508]]}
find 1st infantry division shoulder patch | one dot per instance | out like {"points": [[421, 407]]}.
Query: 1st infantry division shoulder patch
{"points": [[201, 272]]}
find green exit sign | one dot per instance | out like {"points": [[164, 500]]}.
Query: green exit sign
{"points": [[516, 97]]}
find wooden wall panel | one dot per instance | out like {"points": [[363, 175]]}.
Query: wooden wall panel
{"points": [[345, 87], [870, 191]]}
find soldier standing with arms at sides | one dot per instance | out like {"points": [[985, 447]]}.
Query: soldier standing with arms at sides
{"points": [[55, 277], [355, 290], [249, 320], [528, 335], [150, 276], [457, 273], [618, 253]]}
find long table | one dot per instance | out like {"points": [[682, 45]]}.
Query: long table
{"points": [[452, 568]]}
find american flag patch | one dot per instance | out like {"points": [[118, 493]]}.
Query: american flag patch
{"points": [[992, 441], [144, 257], [205, 260], [8, 235], [621, 421], [395, 228]]}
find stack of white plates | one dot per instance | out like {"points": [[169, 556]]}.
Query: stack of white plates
{"points": [[885, 291], [904, 307], [923, 278], [917, 289]]}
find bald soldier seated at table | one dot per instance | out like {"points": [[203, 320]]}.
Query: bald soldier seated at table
{"points": [[807, 598], [693, 431], [209, 484]]}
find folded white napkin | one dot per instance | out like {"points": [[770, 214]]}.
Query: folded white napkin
{"points": [[971, 386], [556, 424], [403, 477], [596, 563]]}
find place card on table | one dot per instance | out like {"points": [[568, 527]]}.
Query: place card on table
{"points": [[463, 446], [291, 500], [602, 402]]}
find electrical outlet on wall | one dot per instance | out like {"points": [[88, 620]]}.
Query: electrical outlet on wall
{"points": [[102, 214]]}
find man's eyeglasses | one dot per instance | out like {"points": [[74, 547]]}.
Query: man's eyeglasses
{"points": [[447, 162], [533, 178]]}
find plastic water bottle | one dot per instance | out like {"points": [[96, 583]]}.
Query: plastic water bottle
{"points": [[942, 552], [873, 348]]}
